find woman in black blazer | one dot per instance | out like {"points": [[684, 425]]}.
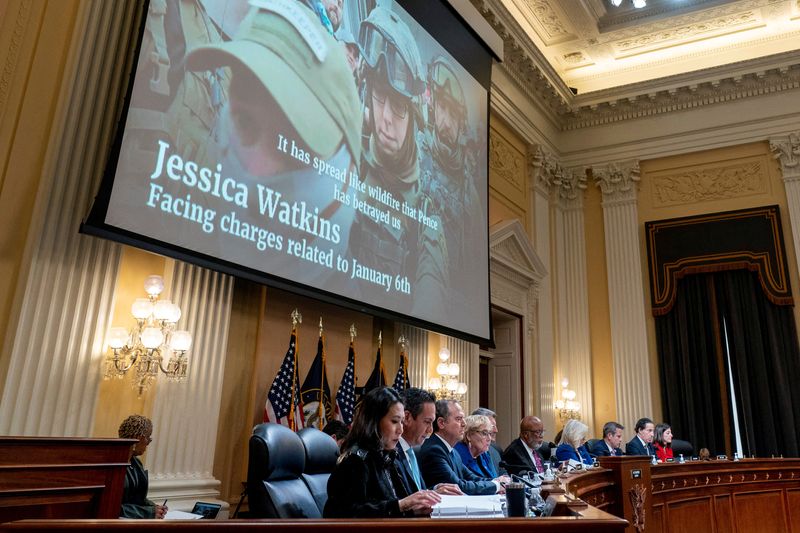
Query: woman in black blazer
{"points": [[366, 482]]}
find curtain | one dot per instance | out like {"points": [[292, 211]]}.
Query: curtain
{"points": [[765, 357], [764, 360], [694, 402]]}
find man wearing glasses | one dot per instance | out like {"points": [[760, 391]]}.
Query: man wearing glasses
{"points": [[394, 84], [523, 453]]}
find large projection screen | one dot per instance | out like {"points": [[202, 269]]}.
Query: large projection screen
{"points": [[336, 149]]}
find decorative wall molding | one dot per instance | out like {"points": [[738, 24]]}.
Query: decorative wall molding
{"points": [[654, 101], [10, 67], [516, 273], [506, 162], [716, 183]]}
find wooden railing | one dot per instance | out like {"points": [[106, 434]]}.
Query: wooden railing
{"points": [[43, 477], [750, 495]]}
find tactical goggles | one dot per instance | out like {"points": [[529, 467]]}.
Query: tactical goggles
{"points": [[373, 44]]}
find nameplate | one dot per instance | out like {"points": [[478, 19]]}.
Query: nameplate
{"points": [[636, 473]]}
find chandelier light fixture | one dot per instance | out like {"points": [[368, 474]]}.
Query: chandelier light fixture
{"points": [[446, 385], [567, 407], [153, 340]]}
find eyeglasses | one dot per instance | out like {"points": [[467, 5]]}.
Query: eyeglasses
{"points": [[373, 44], [399, 109], [485, 434]]}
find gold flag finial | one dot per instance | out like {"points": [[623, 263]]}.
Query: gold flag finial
{"points": [[402, 342], [353, 333], [380, 338], [320, 326], [297, 318]]}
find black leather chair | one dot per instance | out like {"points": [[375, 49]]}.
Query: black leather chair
{"points": [[590, 444], [275, 488], [321, 456], [682, 447]]}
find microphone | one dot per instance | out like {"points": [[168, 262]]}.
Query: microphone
{"points": [[523, 481]]}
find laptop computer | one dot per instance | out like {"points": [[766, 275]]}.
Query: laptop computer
{"points": [[206, 510]]}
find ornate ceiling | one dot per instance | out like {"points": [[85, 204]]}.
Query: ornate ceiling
{"points": [[593, 45], [588, 62]]}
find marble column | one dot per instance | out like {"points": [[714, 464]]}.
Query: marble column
{"points": [[541, 168], [186, 415], [786, 150], [572, 293], [65, 297], [618, 183]]}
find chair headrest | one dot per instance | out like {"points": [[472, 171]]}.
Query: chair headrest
{"points": [[682, 447], [276, 452], [321, 451]]}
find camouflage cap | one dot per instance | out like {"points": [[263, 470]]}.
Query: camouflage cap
{"points": [[283, 44]]}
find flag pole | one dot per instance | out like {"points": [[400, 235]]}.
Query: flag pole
{"points": [[297, 318], [353, 335], [321, 406]]}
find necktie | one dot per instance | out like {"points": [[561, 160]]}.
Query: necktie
{"points": [[412, 460], [538, 462]]}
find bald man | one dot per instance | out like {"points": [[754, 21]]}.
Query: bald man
{"points": [[523, 453]]}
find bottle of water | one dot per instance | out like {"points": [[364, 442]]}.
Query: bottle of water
{"points": [[681, 460]]}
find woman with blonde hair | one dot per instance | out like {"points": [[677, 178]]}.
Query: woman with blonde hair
{"points": [[572, 445], [474, 446]]}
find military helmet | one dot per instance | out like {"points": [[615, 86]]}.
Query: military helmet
{"points": [[386, 45], [301, 66], [444, 84]]}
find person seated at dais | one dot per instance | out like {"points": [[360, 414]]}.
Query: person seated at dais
{"points": [[474, 445], [642, 442], [609, 444], [662, 442], [366, 482], [572, 445], [134, 492]]}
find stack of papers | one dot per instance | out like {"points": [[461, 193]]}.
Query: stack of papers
{"points": [[466, 506]]}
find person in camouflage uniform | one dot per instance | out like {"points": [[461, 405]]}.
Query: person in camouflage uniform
{"points": [[394, 83], [446, 176]]}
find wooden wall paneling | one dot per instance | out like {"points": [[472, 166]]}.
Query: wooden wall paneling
{"points": [[759, 511], [723, 512], [793, 508], [694, 515]]}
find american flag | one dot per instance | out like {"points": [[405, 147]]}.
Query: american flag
{"points": [[401, 382], [346, 395], [285, 391]]}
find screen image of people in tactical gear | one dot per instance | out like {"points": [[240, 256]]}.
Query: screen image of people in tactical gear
{"points": [[332, 143]]}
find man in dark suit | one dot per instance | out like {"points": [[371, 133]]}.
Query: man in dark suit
{"points": [[642, 443], [612, 438], [420, 412], [441, 464], [523, 453]]}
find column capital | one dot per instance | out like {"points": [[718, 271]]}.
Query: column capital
{"points": [[787, 150], [618, 181], [549, 176]]}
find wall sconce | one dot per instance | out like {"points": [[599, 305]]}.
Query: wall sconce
{"points": [[446, 386], [567, 407], [149, 342]]}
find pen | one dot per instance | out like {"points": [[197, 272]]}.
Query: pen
{"points": [[165, 503]]}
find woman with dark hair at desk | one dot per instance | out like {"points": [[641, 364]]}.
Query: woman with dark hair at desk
{"points": [[662, 442], [134, 495], [366, 482], [572, 445]]}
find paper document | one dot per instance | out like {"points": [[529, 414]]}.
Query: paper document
{"points": [[181, 515], [465, 506]]}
